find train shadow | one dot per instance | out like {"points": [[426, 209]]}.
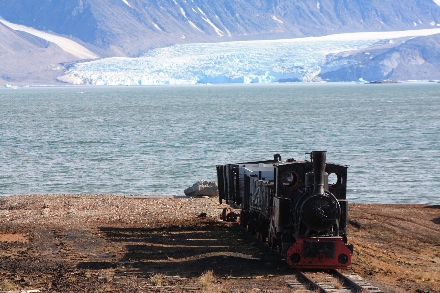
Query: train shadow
{"points": [[189, 251], [436, 220], [433, 207]]}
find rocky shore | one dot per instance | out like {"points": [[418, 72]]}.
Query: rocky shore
{"points": [[112, 243]]}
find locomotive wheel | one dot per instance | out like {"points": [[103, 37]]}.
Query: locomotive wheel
{"points": [[280, 248], [261, 236], [264, 235], [273, 242], [242, 219], [250, 227]]}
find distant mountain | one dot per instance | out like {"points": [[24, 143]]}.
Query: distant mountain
{"points": [[416, 59], [131, 27]]}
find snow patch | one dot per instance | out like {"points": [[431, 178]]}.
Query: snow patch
{"points": [[194, 26], [183, 12], [201, 11], [277, 19], [318, 5], [126, 2], [228, 32], [65, 44], [217, 30], [156, 26], [374, 35]]}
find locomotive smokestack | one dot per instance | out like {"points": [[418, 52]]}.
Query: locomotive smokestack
{"points": [[318, 158]]}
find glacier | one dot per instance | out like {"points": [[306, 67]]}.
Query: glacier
{"points": [[268, 61]]}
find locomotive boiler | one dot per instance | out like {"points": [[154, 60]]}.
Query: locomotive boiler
{"points": [[292, 205]]}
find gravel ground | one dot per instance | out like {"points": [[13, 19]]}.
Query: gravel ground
{"points": [[112, 243], [90, 210]]}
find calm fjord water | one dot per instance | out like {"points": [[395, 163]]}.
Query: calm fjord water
{"points": [[160, 140]]}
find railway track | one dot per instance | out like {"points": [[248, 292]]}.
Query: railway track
{"points": [[329, 281]]}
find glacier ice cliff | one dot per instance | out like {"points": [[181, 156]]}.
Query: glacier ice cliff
{"points": [[265, 61]]}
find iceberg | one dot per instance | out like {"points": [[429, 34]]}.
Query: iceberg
{"points": [[202, 188]]}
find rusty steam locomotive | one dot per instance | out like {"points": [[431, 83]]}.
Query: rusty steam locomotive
{"points": [[293, 206]]}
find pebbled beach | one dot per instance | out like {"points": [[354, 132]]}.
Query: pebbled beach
{"points": [[112, 243]]}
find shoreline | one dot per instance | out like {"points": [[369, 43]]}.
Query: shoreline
{"points": [[183, 196], [22, 85]]}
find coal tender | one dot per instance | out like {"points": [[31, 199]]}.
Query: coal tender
{"points": [[293, 207]]}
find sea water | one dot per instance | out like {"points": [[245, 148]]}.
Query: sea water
{"points": [[161, 139]]}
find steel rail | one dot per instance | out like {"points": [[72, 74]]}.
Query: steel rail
{"points": [[333, 282], [356, 282]]}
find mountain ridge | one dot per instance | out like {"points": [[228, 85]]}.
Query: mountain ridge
{"points": [[116, 27], [110, 28]]}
